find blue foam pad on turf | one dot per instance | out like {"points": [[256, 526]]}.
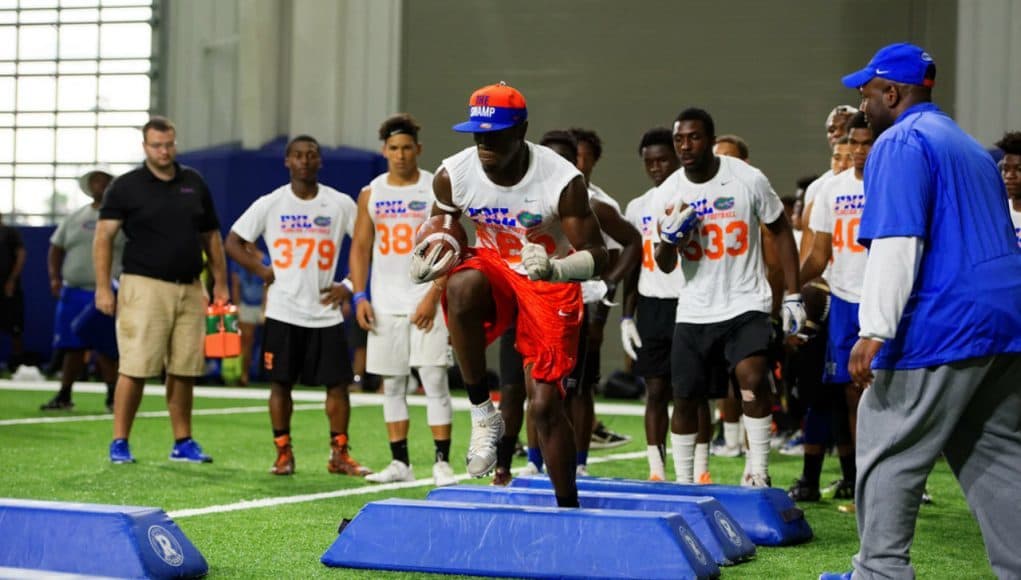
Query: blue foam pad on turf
{"points": [[96, 540], [707, 518], [767, 515], [523, 542]]}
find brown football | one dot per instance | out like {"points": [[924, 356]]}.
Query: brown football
{"points": [[816, 296], [445, 230]]}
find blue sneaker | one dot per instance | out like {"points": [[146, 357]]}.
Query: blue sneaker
{"points": [[835, 576], [189, 450], [120, 452]]}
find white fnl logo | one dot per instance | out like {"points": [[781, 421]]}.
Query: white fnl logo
{"points": [[166, 546]]}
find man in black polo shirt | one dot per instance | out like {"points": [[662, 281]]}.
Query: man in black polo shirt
{"points": [[167, 214]]}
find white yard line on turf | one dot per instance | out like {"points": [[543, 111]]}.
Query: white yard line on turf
{"points": [[459, 403], [367, 490], [149, 414]]}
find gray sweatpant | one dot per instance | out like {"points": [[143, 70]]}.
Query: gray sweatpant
{"points": [[971, 411]]}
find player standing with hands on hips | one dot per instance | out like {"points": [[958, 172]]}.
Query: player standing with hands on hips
{"points": [[537, 237], [303, 224]]}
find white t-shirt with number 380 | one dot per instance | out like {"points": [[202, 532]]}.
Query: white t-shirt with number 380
{"points": [[724, 275], [304, 239]]}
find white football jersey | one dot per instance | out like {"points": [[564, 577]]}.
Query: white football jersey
{"points": [[304, 239], [652, 282], [837, 211], [723, 272], [507, 217], [396, 212], [1015, 218]]}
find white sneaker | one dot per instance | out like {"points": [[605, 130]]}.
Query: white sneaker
{"points": [[487, 429], [530, 469], [756, 480], [582, 471], [726, 450], [396, 471], [443, 474]]}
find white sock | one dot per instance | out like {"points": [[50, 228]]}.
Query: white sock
{"points": [[656, 466], [701, 460], [480, 412], [731, 433], [683, 448], [758, 443], [741, 440]]}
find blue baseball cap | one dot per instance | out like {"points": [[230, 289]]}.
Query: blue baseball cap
{"points": [[494, 108], [901, 63]]}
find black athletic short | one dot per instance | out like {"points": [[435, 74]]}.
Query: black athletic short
{"points": [[811, 362], [12, 312], [357, 337], [701, 349], [512, 370], [309, 356], [655, 322]]}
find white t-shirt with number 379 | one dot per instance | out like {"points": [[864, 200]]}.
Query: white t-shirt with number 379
{"points": [[304, 239], [724, 275]]}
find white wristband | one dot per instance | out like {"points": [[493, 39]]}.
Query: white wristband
{"points": [[445, 207], [346, 283]]}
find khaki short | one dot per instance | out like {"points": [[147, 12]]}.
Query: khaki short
{"points": [[396, 345], [160, 325]]}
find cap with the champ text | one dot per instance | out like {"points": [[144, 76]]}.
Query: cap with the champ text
{"points": [[494, 108], [902, 63]]}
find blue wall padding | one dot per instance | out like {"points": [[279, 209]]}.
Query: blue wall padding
{"points": [[521, 542], [40, 305], [707, 518], [767, 515], [237, 177], [95, 540]]}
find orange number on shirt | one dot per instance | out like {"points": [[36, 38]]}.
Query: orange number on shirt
{"points": [[546, 241], [852, 235], [510, 247], [716, 246], [400, 238], [327, 251], [848, 239], [383, 238], [741, 230], [713, 236], [648, 261], [286, 253], [309, 246]]}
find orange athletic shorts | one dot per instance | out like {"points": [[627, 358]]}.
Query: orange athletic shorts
{"points": [[548, 315]]}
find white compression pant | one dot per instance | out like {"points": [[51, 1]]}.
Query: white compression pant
{"points": [[437, 396]]}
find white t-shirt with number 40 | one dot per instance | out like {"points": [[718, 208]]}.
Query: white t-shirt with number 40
{"points": [[723, 272], [837, 211], [304, 239], [652, 282]]}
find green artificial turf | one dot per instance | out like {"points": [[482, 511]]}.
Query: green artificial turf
{"points": [[68, 461]]}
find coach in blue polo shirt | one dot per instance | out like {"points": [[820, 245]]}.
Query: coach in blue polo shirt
{"points": [[940, 323]]}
